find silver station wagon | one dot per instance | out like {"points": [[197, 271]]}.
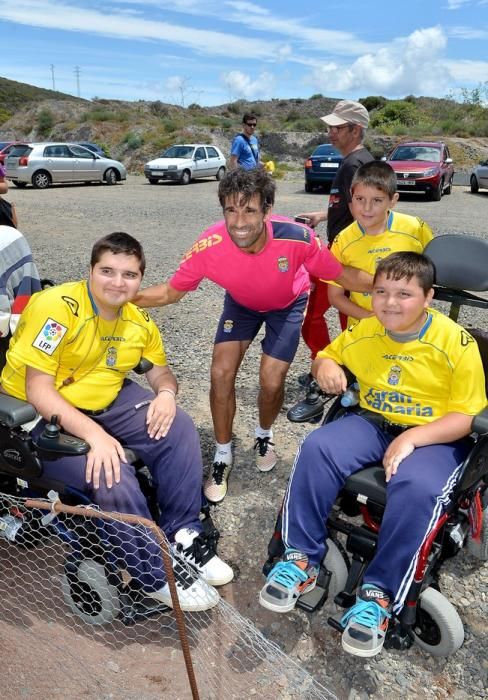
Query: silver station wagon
{"points": [[44, 164]]}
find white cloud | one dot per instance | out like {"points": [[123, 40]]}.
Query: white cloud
{"points": [[414, 64], [240, 85], [248, 7], [468, 33], [456, 4]]}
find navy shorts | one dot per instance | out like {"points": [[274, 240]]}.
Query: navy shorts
{"points": [[283, 326]]}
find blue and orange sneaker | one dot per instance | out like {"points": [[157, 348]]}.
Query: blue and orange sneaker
{"points": [[366, 622], [287, 581]]}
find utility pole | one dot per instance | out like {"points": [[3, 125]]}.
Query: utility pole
{"points": [[77, 73], [52, 75]]}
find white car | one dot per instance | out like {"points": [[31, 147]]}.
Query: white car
{"points": [[186, 162], [479, 177]]}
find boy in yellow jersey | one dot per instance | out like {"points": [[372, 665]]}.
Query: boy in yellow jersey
{"points": [[421, 381], [376, 232], [70, 356]]}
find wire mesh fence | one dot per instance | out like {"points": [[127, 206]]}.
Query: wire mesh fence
{"points": [[84, 615]]}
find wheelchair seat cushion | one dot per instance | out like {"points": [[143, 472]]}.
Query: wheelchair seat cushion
{"points": [[369, 484]]}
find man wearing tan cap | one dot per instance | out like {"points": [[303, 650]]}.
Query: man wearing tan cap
{"points": [[346, 127]]}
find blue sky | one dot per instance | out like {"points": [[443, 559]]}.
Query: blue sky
{"points": [[216, 51]]}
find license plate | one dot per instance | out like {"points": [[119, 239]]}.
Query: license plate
{"points": [[329, 165], [157, 172], [406, 182]]}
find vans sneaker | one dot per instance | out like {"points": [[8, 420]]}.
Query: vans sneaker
{"points": [[215, 486], [265, 455], [194, 547], [194, 594], [366, 622], [287, 581]]}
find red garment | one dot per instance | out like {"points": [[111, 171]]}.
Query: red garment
{"points": [[314, 329]]}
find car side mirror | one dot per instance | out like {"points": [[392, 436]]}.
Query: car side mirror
{"points": [[448, 161]]}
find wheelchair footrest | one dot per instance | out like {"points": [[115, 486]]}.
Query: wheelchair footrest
{"points": [[335, 622], [312, 601], [137, 607]]}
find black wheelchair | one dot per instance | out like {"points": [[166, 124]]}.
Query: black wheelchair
{"points": [[427, 619], [92, 583]]}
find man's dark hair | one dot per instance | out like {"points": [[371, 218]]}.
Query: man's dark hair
{"points": [[245, 184], [376, 174], [248, 116], [116, 243], [406, 265]]}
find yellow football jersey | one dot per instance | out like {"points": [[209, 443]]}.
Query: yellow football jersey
{"points": [[417, 381], [59, 333], [356, 248]]}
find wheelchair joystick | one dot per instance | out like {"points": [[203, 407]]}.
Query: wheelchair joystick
{"points": [[52, 429]]}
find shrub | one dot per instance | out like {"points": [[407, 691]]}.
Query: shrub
{"points": [[373, 102], [158, 109], [4, 115], [104, 115], [317, 96], [133, 140], [45, 122]]}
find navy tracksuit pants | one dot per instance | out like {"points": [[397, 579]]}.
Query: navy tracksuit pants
{"points": [[175, 463], [416, 496]]}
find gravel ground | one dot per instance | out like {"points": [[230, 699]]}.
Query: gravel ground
{"points": [[62, 223]]}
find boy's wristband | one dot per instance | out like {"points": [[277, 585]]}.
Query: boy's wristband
{"points": [[169, 391]]}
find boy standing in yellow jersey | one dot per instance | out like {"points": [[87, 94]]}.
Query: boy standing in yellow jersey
{"points": [[376, 232], [420, 382]]}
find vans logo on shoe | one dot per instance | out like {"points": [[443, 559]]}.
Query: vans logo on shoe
{"points": [[295, 556], [374, 593]]}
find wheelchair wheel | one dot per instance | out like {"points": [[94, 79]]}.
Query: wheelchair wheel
{"points": [[334, 562], [88, 593], [479, 548], [438, 628]]}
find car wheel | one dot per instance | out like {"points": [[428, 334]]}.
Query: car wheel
{"points": [[220, 173], [308, 187], [88, 593], [153, 180], [437, 193], [448, 189], [185, 177], [20, 185], [110, 177], [41, 179], [474, 184], [438, 628]]}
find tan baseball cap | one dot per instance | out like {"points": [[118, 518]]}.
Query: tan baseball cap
{"points": [[347, 112]]}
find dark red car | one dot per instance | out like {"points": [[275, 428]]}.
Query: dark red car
{"points": [[5, 147], [423, 167]]}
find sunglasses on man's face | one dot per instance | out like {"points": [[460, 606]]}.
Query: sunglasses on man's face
{"points": [[251, 124]]}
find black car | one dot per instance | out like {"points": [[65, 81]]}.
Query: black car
{"points": [[321, 167]]}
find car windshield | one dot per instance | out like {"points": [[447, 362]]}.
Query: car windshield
{"points": [[178, 152], [20, 150], [426, 153], [326, 150]]}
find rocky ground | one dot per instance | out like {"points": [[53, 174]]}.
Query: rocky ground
{"points": [[61, 224]]}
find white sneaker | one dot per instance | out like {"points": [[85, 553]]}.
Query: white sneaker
{"points": [[215, 486], [265, 455], [194, 548], [193, 594]]}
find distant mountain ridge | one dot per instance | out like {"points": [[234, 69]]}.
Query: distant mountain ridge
{"points": [[289, 129]]}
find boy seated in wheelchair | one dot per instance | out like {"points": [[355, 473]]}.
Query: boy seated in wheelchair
{"points": [[70, 356], [421, 381]]}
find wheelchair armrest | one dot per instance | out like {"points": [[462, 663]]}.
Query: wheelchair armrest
{"points": [[480, 422], [14, 412]]}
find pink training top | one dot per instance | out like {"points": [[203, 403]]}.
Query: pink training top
{"points": [[269, 280]]}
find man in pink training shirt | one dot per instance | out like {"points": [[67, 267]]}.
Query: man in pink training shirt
{"points": [[263, 262]]}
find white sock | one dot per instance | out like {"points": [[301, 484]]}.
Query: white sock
{"points": [[223, 452], [262, 433]]}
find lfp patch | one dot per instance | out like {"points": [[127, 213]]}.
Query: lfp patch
{"points": [[283, 264], [49, 337]]}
